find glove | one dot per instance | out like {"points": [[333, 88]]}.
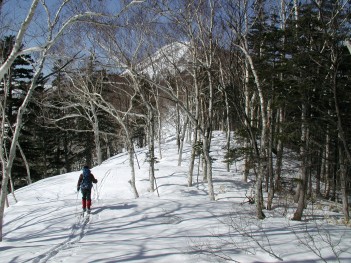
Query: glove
{"points": [[78, 189]]}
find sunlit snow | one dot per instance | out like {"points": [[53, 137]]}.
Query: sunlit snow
{"points": [[181, 225]]}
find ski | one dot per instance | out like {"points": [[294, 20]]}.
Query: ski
{"points": [[86, 218], [86, 214], [82, 213]]}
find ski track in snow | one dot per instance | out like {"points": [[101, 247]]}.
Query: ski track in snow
{"points": [[78, 231], [178, 226]]}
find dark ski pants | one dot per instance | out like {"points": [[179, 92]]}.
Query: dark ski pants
{"points": [[86, 198]]}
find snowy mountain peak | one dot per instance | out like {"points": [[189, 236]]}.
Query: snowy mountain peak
{"points": [[168, 60]]}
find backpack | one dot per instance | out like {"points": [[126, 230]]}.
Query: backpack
{"points": [[86, 182]]}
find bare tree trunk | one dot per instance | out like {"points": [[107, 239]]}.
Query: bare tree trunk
{"points": [[342, 135], [29, 179], [192, 158], [7, 161], [227, 111], [108, 150], [178, 129], [247, 119], [318, 175], [296, 9], [108, 108], [19, 39], [259, 192], [334, 179], [68, 166], [279, 158], [208, 162], [204, 167], [159, 122], [182, 141], [343, 184], [323, 169], [280, 113], [262, 154], [57, 23], [195, 122], [309, 173], [95, 123], [301, 194], [264, 131], [348, 45], [228, 135], [270, 181], [151, 125], [7, 164], [12, 189], [132, 166], [327, 166]]}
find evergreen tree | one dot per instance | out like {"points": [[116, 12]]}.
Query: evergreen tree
{"points": [[17, 79]]}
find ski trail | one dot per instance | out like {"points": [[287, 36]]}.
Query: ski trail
{"points": [[102, 182], [78, 231]]}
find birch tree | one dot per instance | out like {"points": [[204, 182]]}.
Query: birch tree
{"points": [[197, 24], [57, 22], [122, 118], [186, 24], [261, 152], [337, 22], [79, 101]]}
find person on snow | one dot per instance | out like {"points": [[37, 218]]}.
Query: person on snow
{"points": [[85, 183]]}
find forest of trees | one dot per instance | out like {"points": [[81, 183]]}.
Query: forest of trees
{"points": [[84, 80]]}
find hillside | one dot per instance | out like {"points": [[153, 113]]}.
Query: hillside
{"points": [[181, 225]]}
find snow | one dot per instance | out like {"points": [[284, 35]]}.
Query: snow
{"points": [[169, 59], [181, 225]]}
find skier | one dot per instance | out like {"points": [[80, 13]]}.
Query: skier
{"points": [[85, 183]]}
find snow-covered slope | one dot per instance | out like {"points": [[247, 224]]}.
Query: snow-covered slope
{"points": [[181, 225], [171, 59]]}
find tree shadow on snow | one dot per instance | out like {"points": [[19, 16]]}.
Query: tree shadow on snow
{"points": [[113, 207]]}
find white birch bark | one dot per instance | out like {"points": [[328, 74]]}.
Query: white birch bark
{"points": [[343, 184], [120, 117], [280, 112], [7, 163], [247, 122], [80, 97], [262, 154], [348, 45], [55, 29], [151, 145], [184, 129], [207, 40], [159, 123], [301, 193], [279, 158], [16, 50], [263, 142], [195, 119], [96, 130], [29, 179], [227, 109]]}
